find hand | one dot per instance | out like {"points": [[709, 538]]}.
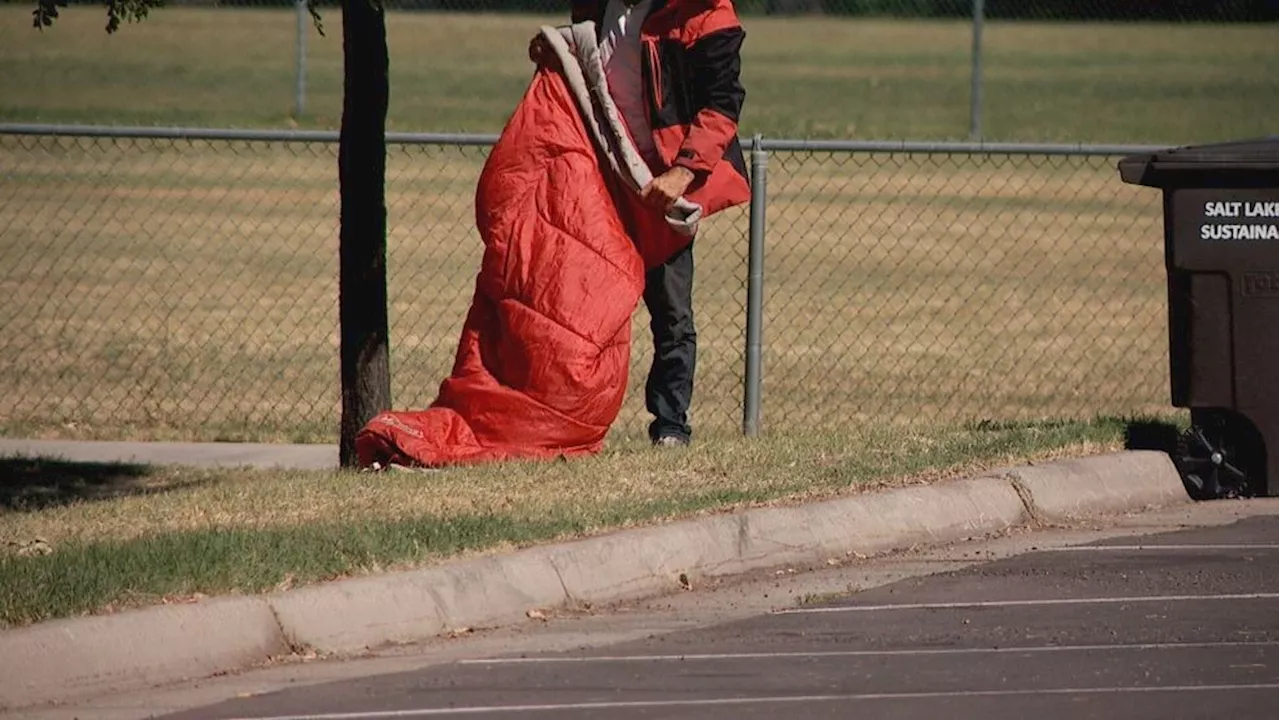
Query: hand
{"points": [[540, 53], [667, 187]]}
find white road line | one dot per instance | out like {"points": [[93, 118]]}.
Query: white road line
{"points": [[1027, 603], [707, 702], [1106, 548], [866, 653]]}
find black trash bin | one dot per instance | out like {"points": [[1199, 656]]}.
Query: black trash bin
{"points": [[1221, 236]]}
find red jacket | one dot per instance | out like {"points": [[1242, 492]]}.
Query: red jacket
{"points": [[691, 65]]}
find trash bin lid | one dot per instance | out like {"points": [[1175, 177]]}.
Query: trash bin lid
{"points": [[1239, 163]]}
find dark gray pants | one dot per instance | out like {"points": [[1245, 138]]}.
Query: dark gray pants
{"points": [[668, 294]]}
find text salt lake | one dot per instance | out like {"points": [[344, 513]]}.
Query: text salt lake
{"points": [[1239, 208]]}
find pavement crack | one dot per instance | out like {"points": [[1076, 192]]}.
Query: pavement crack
{"points": [[1034, 516], [564, 587], [296, 647]]}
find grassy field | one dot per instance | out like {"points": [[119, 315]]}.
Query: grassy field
{"points": [[187, 289], [78, 538], [1088, 82]]}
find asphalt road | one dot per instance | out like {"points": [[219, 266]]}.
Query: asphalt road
{"points": [[1171, 625]]}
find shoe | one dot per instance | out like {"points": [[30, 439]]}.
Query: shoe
{"points": [[671, 441]]}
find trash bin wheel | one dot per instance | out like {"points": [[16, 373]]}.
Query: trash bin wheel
{"points": [[1217, 457]]}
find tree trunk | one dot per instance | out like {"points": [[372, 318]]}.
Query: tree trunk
{"points": [[362, 249]]}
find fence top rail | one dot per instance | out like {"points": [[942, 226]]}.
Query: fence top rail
{"points": [[245, 134], [955, 148], [410, 138]]}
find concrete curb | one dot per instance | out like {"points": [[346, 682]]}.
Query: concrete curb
{"points": [[354, 615], [1069, 489], [79, 657]]}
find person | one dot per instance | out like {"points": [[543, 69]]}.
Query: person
{"points": [[673, 69]]}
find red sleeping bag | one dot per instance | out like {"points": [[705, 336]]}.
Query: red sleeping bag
{"points": [[542, 364]]}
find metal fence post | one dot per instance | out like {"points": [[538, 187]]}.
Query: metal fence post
{"points": [[975, 73], [300, 61], [755, 289]]}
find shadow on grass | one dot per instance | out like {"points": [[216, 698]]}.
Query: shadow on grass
{"points": [[989, 425], [29, 484], [1151, 435], [1140, 433]]}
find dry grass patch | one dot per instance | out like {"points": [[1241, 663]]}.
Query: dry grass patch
{"points": [[896, 287]]}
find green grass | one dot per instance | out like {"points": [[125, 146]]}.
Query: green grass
{"points": [[106, 576], [847, 78], [121, 536]]}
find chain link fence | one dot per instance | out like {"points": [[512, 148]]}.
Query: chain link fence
{"points": [[949, 284], [172, 288], [183, 285]]}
